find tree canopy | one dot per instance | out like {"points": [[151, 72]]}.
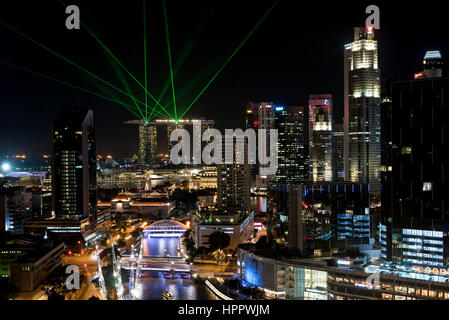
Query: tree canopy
{"points": [[219, 240]]}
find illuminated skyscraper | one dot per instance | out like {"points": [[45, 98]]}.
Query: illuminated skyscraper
{"points": [[260, 116], [147, 143], [154, 137], [320, 137], [362, 109], [74, 175], [233, 180], [292, 160]]}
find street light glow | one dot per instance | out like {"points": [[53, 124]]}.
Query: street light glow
{"points": [[6, 167]]}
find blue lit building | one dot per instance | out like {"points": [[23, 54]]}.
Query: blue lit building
{"points": [[348, 205]]}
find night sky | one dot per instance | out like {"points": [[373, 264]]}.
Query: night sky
{"points": [[297, 51]]}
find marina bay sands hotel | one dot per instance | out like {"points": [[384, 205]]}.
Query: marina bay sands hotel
{"points": [[154, 136]]}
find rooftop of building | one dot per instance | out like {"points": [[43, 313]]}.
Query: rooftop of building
{"points": [[225, 216], [9, 240], [39, 252], [172, 122], [206, 192]]}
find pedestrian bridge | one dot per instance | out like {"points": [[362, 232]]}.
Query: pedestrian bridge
{"points": [[158, 264], [165, 229]]}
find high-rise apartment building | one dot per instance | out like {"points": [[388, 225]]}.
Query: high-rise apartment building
{"points": [[320, 137], [362, 110], [415, 212], [74, 176], [233, 180]]}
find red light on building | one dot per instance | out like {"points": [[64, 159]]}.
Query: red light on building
{"points": [[256, 123], [418, 75]]}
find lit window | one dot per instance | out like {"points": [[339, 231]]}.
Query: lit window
{"points": [[427, 186], [406, 150]]}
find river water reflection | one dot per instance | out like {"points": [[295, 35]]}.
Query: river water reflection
{"points": [[154, 283]]}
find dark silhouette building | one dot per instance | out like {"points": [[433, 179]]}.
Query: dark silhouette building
{"points": [[415, 213], [74, 182]]}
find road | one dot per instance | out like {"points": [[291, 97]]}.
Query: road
{"points": [[87, 264]]}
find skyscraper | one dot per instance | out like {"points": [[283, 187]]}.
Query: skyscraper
{"points": [[154, 136], [74, 176], [233, 180], [320, 137], [292, 164], [362, 109], [147, 143], [415, 214], [338, 162], [260, 116]]}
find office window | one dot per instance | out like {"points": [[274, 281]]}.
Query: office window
{"points": [[427, 186], [406, 150]]}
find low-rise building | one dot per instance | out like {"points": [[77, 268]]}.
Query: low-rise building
{"points": [[31, 270], [343, 276], [237, 223], [207, 197], [153, 205]]}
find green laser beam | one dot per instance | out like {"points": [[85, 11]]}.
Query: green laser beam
{"points": [[68, 60], [194, 82], [167, 36], [231, 56], [185, 53], [92, 34], [108, 51], [128, 107], [122, 79], [126, 69], [100, 88]]}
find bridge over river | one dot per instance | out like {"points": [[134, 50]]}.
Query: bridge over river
{"points": [[161, 248]]}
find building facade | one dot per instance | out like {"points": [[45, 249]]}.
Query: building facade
{"points": [[292, 153], [239, 225], [362, 110], [74, 165], [415, 212], [338, 161], [320, 137], [147, 143]]}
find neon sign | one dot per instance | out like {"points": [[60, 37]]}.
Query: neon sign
{"points": [[431, 270]]}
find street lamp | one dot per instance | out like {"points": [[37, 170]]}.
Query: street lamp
{"points": [[6, 167]]}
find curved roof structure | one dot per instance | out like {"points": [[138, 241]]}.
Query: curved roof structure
{"points": [[167, 223], [25, 174]]}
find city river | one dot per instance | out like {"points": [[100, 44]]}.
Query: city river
{"points": [[154, 283]]}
